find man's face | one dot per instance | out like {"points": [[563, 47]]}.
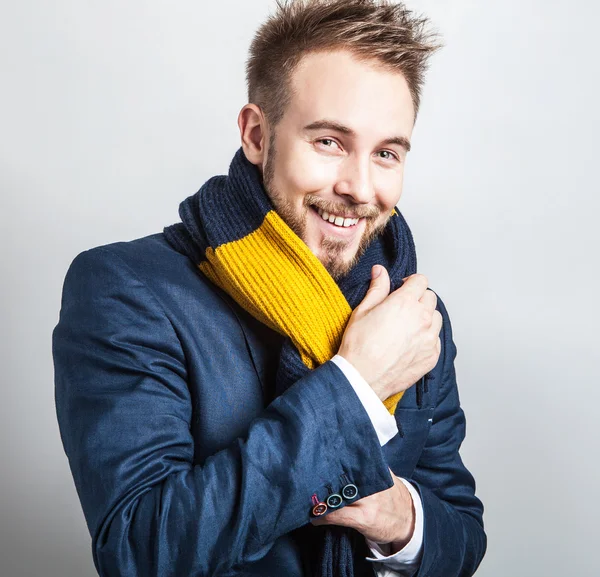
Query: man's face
{"points": [[340, 148]]}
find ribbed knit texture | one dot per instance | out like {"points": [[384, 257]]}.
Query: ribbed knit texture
{"points": [[231, 231]]}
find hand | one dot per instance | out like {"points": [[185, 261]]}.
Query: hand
{"points": [[384, 517], [393, 338]]}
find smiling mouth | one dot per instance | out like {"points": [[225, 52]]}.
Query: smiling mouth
{"points": [[337, 220]]}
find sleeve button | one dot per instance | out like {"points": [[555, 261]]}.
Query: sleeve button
{"points": [[319, 508], [349, 491], [334, 500]]}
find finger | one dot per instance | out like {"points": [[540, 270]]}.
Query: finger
{"points": [[429, 299], [436, 322], [379, 288], [415, 286]]}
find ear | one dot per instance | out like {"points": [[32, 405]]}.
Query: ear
{"points": [[253, 132]]}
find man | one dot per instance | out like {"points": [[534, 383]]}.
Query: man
{"points": [[268, 387]]}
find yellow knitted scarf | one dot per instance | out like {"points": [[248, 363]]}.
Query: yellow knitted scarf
{"points": [[273, 274]]}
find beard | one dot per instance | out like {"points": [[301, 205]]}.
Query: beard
{"points": [[333, 248]]}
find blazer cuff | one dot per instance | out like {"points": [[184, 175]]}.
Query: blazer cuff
{"points": [[383, 421]]}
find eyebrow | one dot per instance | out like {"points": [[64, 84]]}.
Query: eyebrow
{"points": [[333, 125]]}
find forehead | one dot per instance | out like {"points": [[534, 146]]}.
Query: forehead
{"points": [[361, 94]]}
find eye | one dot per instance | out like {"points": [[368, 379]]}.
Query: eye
{"points": [[390, 155], [328, 142]]}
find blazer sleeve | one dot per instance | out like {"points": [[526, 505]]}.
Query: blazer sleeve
{"points": [[454, 540], [124, 412]]}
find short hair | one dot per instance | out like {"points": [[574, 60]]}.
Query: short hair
{"points": [[372, 30]]}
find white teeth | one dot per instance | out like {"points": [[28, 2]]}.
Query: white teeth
{"points": [[337, 220]]}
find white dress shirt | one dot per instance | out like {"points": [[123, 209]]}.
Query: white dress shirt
{"points": [[405, 562]]}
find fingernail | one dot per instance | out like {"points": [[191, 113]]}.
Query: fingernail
{"points": [[376, 272]]}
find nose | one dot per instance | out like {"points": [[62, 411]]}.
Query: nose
{"points": [[354, 181]]}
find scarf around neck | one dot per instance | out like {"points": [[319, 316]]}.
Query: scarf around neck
{"points": [[231, 231]]}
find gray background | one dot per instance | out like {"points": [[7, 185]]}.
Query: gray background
{"points": [[112, 112]]}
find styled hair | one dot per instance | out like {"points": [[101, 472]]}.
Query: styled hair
{"points": [[372, 30]]}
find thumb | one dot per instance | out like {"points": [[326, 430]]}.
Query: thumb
{"points": [[379, 289]]}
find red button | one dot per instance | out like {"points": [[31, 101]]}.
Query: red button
{"points": [[319, 507]]}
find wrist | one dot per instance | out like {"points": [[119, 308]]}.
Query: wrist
{"points": [[396, 546], [346, 355], [379, 391], [399, 544]]}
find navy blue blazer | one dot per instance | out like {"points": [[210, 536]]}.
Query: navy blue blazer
{"points": [[184, 462]]}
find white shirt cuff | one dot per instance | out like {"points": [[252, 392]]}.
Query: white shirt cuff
{"points": [[383, 421], [409, 557]]}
